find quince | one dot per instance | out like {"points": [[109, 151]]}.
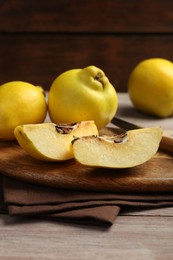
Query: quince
{"points": [[52, 142], [82, 94], [150, 87], [132, 149], [20, 103]]}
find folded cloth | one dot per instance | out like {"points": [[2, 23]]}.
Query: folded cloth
{"points": [[99, 208], [3, 207]]}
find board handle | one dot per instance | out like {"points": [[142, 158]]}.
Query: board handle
{"points": [[166, 144]]}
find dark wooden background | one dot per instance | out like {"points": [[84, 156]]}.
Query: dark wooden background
{"points": [[39, 39]]}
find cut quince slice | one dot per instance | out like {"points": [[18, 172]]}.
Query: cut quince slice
{"points": [[132, 149], [52, 142]]}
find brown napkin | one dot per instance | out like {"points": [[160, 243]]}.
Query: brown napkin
{"points": [[19, 198]]}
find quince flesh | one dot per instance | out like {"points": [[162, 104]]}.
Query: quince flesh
{"points": [[133, 149], [52, 142]]}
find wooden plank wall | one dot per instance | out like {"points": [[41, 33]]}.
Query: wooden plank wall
{"points": [[40, 39]]}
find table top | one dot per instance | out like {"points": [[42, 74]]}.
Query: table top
{"points": [[136, 234]]}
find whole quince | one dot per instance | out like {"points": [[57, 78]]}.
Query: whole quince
{"points": [[81, 95], [150, 87], [20, 103]]}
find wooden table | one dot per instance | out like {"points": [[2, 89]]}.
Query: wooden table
{"points": [[144, 234]]}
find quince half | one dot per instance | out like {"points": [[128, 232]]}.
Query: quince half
{"points": [[132, 149], [52, 142]]}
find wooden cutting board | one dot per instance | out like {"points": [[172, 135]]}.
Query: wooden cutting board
{"points": [[156, 175]]}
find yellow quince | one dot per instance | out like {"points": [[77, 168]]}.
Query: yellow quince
{"points": [[150, 87], [82, 94], [20, 103]]}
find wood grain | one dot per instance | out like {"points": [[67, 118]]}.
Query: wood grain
{"points": [[39, 59], [41, 39], [131, 237], [153, 176], [77, 16], [145, 234]]}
